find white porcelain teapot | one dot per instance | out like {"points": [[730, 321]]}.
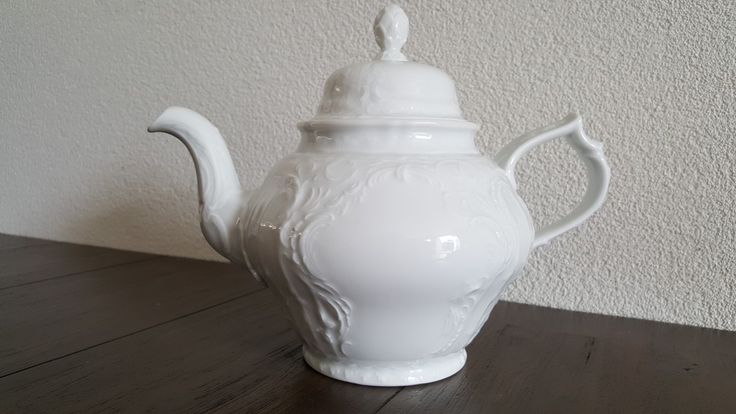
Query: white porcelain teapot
{"points": [[386, 234]]}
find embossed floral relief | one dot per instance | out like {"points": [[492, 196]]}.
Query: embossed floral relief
{"points": [[310, 191]]}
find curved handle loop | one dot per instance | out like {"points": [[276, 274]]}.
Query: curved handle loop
{"points": [[590, 151]]}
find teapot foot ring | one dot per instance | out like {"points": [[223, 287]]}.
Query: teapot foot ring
{"points": [[387, 373]]}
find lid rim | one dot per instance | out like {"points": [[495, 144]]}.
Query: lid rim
{"points": [[346, 122], [390, 86]]}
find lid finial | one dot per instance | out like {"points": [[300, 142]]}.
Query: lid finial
{"points": [[391, 29]]}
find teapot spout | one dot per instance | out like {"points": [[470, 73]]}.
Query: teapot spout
{"points": [[221, 199]]}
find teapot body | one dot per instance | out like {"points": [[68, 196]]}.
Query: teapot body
{"points": [[388, 242], [387, 235], [388, 263]]}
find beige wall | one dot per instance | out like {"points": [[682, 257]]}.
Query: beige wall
{"points": [[654, 80]]}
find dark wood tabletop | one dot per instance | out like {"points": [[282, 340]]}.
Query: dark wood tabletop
{"points": [[88, 329]]}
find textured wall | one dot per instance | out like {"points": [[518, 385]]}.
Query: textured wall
{"points": [[654, 80]]}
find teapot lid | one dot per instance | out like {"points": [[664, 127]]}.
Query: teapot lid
{"points": [[390, 88]]}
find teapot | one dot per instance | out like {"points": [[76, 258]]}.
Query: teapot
{"points": [[386, 234]]}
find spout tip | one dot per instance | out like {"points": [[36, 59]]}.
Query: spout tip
{"points": [[156, 126], [175, 115], [167, 117]]}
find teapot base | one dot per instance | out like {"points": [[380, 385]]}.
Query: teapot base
{"points": [[387, 373]]}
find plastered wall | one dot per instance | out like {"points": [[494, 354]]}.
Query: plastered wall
{"points": [[654, 80]]}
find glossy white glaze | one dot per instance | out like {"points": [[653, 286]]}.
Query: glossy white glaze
{"points": [[386, 235], [414, 248], [590, 151], [221, 198], [390, 87]]}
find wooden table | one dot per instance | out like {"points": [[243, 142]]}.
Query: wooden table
{"points": [[87, 329]]}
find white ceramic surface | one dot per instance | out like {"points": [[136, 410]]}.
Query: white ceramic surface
{"points": [[387, 235]]}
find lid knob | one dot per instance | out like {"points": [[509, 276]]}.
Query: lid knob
{"points": [[391, 28], [387, 90]]}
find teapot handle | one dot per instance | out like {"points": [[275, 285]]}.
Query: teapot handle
{"points": [[590, 151]]}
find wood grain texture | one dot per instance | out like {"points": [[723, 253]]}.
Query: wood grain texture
{"points": [[241, 356], [530, 369], [187, 336], [30, 262], [44, 321], [10, 242]]}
